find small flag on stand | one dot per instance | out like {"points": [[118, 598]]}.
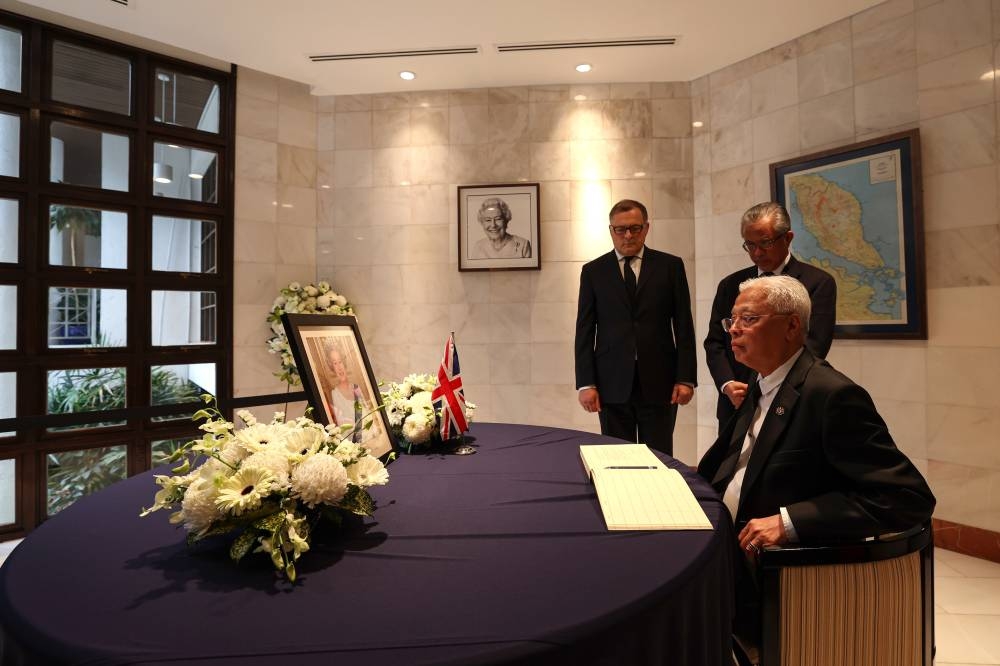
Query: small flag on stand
{"points": [[449, 395]]}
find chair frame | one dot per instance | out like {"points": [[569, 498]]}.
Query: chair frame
{"points": [[774, 559]]}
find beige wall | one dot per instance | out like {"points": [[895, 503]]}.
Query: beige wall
{"points": [[377, 178], [893, 67]]}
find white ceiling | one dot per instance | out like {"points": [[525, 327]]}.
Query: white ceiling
{"points": [[278, 36]]}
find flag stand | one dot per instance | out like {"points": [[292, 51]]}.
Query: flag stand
{"points": [[463, 449]]}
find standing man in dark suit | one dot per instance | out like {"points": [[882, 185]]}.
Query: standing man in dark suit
{"points": [[635, 356], [807, 459], [767, 236]]}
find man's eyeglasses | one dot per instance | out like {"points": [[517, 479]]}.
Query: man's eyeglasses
{"points": [[747, 320], [620, 231], [765, 244]]}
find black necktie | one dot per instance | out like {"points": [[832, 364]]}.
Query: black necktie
{"points": [[745, 422], [767, 274], [629, 278]]}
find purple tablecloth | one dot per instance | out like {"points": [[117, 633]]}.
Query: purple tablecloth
{"points": [[499, 557]]}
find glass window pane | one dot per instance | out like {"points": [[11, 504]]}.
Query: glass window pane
{"points": [[184, 245], [87, 317], [8, 486], [85, 390], [185, 100], [73, 474], [8, 398], [164, 448], [91, 78], [88, 157], [182, 172], [8, 230], [10, 59], [10, 145], [183, 318], [173, 384], [89, 237], [8, 327]]}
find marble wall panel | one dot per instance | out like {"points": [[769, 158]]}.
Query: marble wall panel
{"points": [[776, 134], [253, 83], [353, 130], [962, 315], [774, 88], [730, 104], [391, 128], [964, 257], [956, 82], [469, 125], [508, 123], [886, 103], [951, 27], [627, 119], [885, 49], [256, 118], [960, 140], [826, 120], [825, 70], [732, 145], [671, 117], [296, 126]]}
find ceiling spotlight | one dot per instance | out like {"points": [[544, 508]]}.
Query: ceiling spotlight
{"points": [[697, 123], [580, 98], [163, 173], [407, 75], [583, 68], [196, 176]]}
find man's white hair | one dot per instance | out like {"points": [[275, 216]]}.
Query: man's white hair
{"points": [[784, 294]]}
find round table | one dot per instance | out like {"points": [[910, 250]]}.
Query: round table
{"points": [[498, 557]]}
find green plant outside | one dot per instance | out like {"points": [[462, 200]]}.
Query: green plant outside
{"points": [[73, 474]]}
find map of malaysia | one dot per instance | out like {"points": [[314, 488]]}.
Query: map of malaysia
{"points": [[847, 220]]}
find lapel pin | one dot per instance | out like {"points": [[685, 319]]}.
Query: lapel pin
{"points": [[779, 410]]}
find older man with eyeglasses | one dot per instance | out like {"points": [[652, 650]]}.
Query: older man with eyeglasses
{"points": [[767, 236], [807, 459], [635, 344]]}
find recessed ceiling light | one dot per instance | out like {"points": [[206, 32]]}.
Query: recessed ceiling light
{"points": [[407, 75], [639, 174], [583, 67], [697, 123], [989, 76], [580, 98], [196, 176]]}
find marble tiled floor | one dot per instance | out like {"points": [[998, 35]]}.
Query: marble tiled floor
{"points": [[967, 601]]}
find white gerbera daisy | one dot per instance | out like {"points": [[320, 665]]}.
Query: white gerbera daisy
{"points": [[257, 436], [303, 441], [319, 479], [275, 460], [368, 471], [244, 490]]}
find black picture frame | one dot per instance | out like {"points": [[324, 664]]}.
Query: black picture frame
{"points": [[857, 212], [312, 339], [520, 244]]}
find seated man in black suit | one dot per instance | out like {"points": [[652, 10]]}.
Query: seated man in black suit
{"points": [[767, 236], [807, 459]]}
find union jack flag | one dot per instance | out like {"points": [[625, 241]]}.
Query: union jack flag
{"points": [[449, 395]]}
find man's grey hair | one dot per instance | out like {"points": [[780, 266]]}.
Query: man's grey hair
{"points": [[784, 294], [769, 210], [499, 204]]}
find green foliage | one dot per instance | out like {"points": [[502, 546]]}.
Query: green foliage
{"points": [[75, 221], [73, 474]]}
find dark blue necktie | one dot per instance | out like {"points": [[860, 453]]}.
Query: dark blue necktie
{"points": [[629, 278]]}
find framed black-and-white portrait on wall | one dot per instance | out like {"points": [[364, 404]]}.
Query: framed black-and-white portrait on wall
{"points": [[338, 377], [498, 227]]}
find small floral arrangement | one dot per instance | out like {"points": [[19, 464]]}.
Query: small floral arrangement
{"points": [[272, 482], [308, 299], [411, 413]]}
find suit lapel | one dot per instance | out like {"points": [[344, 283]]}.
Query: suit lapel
{"points": [[739, 432], [648, 261], [611, 275], [779, 415]]}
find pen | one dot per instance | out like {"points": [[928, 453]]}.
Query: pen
{"points": [[632, 467]]}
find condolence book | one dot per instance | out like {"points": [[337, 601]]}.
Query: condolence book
{"points": [[638, 492]]}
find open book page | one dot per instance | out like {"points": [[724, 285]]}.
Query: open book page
{"points": [[598, 456], [638, 492]]}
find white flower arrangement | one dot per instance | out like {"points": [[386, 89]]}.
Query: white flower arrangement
{"points": [[411, 413], [296, 298], [274, 481]]}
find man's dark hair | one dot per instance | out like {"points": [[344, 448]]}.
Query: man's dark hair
{"points": [[626, 205]]}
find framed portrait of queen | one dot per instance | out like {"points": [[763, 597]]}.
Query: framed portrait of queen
{"points": [[337, 376], [498, 227]]}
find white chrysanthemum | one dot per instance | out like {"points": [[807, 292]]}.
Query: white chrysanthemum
{"points": [[198, 508], [324, 286], [294, 286], [319, 479], [323, 301], [244, 490], [275, 460], [368, 471], [311, 290], [417, 428], [340, 300], [419, 401]]}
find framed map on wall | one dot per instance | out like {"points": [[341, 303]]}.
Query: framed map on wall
{"points": [[856, 213]]}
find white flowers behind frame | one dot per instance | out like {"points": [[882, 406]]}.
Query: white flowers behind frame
{"points": [[299, 299]]}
